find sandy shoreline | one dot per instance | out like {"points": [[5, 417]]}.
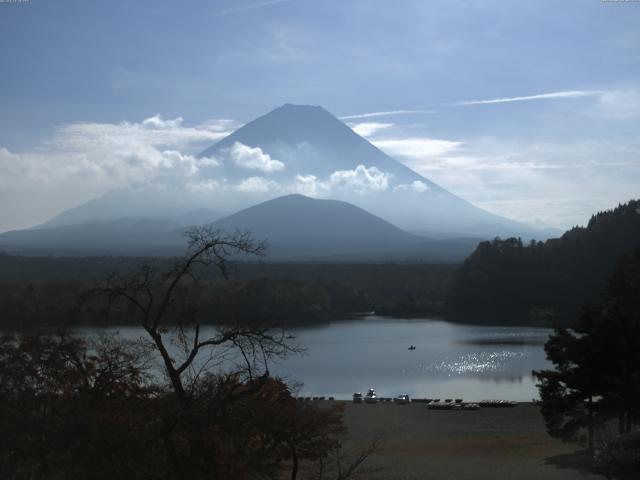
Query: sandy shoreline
{"points": [[503, 443]]}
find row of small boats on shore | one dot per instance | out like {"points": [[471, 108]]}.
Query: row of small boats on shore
{"points": [[432, 403], [372, 397]]}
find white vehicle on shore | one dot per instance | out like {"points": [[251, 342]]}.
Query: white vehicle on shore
{"points": [[371, 396], [402, 399]]}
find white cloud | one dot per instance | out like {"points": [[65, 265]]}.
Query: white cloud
{"points": [[224, 125], [419, 186], [383, 114], [415, 186], [367, 129], [33, 170], [482, 162], [542, 96], [254, 158], [208, 162], [206, 186], [309, 185], [256, 185], [253, 184], [415, 147], [538, 183], [84, 160], [157, 122], [361, 179], [153, 131]]}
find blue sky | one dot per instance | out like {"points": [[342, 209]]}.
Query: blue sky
{"points": [[561, 142]]}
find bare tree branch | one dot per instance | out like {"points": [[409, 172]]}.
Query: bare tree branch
{"points": [[206, 248]]}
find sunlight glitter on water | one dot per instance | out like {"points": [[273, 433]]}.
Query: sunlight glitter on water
{"points": [[450, 360], [475, 363]]}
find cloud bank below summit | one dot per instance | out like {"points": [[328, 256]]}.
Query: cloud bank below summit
{"points": [[85, 160], [538, 179]]}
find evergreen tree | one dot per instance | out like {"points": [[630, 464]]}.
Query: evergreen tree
{"points": [[507, 281], [597, 362]]}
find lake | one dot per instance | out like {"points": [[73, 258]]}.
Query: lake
{"points": [[449, 361]]}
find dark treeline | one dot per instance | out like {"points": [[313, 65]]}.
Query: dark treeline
{"points": [[503, 281], [595, 382], [547, 283], [45, 291], [265, 301], [394, 289]]}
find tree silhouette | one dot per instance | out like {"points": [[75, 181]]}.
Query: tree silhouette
{"points": [[544, 282], [597, 362], [241, 423], [163, 303]]}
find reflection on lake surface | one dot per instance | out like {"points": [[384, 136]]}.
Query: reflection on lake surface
{"points": [[450, 360]]}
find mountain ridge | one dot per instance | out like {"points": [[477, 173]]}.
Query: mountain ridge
{"points": [[296, 228], [303, 228], [312, 125], [301, 149], [287, 212], [309, 140]]}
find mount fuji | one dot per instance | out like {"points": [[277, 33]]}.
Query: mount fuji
{"points": [[305, 149], [294, 149]]}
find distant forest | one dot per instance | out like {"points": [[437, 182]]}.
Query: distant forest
{"points": [[46, 291], [506, 281]]}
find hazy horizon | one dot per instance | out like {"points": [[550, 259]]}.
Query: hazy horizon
{"points": [[529, 111]]}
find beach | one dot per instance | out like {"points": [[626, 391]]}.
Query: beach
{"points": [[493, 443]]}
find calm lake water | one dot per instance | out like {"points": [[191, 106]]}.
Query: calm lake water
{"points": [[450, 360]]}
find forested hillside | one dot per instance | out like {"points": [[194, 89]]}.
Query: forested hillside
{"points": [[41, 291], [505, 281]]}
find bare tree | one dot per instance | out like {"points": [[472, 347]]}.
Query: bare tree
{"points": [[154, 295], [215, 422]]}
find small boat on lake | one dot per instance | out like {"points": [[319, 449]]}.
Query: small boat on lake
{"points": [[412, 347]]}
